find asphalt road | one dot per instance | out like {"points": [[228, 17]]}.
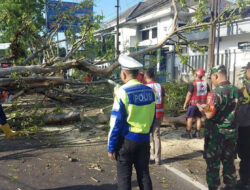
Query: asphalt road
{"points": [[28, 164]]}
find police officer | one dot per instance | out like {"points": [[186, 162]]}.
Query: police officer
{"points": [[132, 117], [244, 134], [197, 94], [220, 130]]}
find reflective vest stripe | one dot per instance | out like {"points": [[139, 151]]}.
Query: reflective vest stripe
{"points": [[160, 98], [246, 95], [132, 115], [160, 110]]}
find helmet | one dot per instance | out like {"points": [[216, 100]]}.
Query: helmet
{"points": [[200, 72], [141, 72]]}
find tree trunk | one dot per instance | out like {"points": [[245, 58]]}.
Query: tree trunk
{"points": [[63, 118], [180, 120], [30, 82]]}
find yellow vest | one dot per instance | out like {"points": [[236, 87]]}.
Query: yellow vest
{"points": [[246, 95]]}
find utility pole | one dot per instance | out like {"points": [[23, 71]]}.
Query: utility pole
{"points": [[117, 29], [218, 34], [212, 35]]}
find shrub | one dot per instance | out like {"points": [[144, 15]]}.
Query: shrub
{"points": [[175, 95]]}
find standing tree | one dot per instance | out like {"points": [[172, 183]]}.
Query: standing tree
{"points": [[21, 25]]}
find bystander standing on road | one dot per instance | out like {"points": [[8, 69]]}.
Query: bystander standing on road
{"points": [[197, 94], [159, 113], [220, 130], [243, 144], [132, 118]]}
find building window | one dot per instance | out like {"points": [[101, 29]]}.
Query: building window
{"points": [[154, 33], [145, 35]]}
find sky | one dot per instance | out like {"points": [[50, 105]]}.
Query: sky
{"points": [[107, 7]]}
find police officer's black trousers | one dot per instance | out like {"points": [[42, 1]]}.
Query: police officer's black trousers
{"points": [[137, 154], [244, 153]]}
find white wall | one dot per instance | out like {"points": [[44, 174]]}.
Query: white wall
{"points": [[157, 14], [130, 35], [230, 43], [127, 37], [235, 28], [164, 26]]}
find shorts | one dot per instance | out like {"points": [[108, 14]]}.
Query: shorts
{"points": [[193, 112]]}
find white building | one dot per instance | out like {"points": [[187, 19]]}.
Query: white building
{"points": [[147, 23], [143, 25], [234, 48]]}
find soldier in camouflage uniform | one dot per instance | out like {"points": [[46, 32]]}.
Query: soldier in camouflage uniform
{"points": [[220, 131]]}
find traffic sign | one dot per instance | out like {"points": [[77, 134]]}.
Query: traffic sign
{"points": [[56, 8]]}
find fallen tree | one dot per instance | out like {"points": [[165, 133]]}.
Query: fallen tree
{"points": [[173, 121], [177, 121], [37, 59], [53, 63], [63, 118]]}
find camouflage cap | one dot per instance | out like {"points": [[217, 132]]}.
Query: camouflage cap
{"points": [[217, 69]]}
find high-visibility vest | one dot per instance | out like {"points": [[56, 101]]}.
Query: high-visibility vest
{"points": [[159, 91], [246, 94], [132, 114], [199, 95]]}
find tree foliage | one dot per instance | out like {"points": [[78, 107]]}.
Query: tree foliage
{"points": [[21, 25], [39, 57]]}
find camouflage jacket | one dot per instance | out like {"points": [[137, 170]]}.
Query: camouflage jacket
{"points": [[225, 100]]}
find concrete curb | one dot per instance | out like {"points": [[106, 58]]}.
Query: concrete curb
{"points": [[185, 177]]}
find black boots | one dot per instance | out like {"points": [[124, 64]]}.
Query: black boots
{"points": [[187, 135], [197, 134]]}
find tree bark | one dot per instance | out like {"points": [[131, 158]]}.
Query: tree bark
{"points": [[180, 120], [30, 82], [62, 118]]}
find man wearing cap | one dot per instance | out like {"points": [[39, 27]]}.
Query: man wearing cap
{"points": [[243, 144], [197, 94], [220, 129], [132, 118]]}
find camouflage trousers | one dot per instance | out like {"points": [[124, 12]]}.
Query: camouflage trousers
{"points": [[218, 149]]}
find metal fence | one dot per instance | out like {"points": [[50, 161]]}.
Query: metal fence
{"points": [[232, 59]]}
